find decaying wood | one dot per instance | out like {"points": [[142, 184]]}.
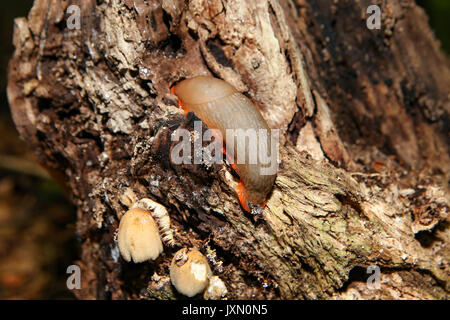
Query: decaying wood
{"points": [[363, 114]]}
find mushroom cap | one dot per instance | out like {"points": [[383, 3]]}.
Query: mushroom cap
{"points": [[138, 236], [189, 272]]}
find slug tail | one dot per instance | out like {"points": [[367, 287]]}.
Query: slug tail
{"points": [[242, 198]]}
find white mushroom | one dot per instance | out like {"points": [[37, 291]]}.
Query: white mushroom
{"points": [[161, 216], [190, 272], [138, 236], [216, 289]]}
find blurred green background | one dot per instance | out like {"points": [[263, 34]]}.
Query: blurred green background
{"points": [[37, 233]]}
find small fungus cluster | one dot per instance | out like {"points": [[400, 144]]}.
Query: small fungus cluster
{"points": [[142, 231]]}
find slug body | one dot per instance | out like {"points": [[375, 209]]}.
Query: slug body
{"points": [[221, 107]]}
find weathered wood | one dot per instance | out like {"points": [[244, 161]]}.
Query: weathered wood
{"points": [[363, 114]]}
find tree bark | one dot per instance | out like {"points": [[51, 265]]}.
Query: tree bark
{"points": [[363, 116]]}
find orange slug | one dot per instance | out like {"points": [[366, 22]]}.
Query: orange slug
{"points": [[221, 107]]}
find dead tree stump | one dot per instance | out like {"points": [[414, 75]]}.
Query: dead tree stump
{"points": [[363, 114]]}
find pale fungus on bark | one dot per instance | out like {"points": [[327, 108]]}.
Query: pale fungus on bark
{"points": [[158, 212], [161, 216], [190, 272], [216, 289], [138, 236]]}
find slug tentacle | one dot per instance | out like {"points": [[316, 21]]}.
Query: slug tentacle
{"points": [[222, 108]]}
